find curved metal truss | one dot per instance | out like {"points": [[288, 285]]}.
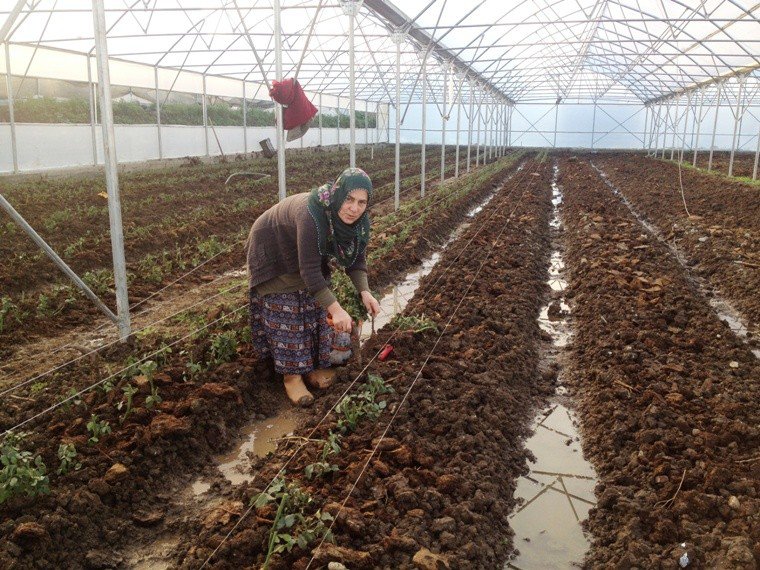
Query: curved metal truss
{"points": [[532, 51]]}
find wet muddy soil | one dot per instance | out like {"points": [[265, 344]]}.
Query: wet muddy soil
{"points": [[719, 239], [667, 396], [434, 476], [97, 514]]}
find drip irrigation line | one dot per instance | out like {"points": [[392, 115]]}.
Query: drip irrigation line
{"points": [[456, 258], [98, 349], [303, 444], [486, 257], [110, 376]]}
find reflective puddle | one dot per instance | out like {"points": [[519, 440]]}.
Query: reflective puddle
{"points": [[259, 438], [559, 490]]}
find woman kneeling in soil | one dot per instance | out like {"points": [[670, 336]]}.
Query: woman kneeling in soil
{"points": [[289, 248]]}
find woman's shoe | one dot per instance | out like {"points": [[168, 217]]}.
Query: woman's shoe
{"points": [[322, 378], [296, 390]]}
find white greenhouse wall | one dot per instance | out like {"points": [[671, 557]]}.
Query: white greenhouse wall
{"points": [[50, 146]]}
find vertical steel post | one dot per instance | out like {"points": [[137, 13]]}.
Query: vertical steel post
{"points": [[112, 176], [715, 126], [665, 126], [646, 125], [351, 7], [675, 129], [93, 103], [337, 110], [444, 120], [469, 123], [685, 125], [698, 119], [423, 149], [757, 155], [398, 38], [9, 85], [480, 117], [456, 152], [593, 126], [556, 118], [245, 121], [282, 189], [509, 126], [158, 114], [205, 116], [319, 117], [737, 121]]}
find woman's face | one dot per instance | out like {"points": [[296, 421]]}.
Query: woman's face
{"points": [[353, 206]]}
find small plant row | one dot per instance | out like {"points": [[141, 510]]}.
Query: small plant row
{"points": [[24, 473], [297, 521]]}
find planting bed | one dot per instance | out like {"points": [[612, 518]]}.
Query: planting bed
{"points": [[720, 240], [198, 217], [668, 396], [424, 475], [433, 477], [208, 384]]}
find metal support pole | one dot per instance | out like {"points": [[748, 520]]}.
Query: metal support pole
{"points": [[9, 86], [685, 125], [93, 103], [698, 119], [456, 152], [675, 129], [480, 117], [646, 125], [757, 155], [376, 133], [469, 126], [351, 6], [509, 126], [423, 149], [205, 116], [556, 117], [282, 190], [158, 114], [593, 126], [737, 120], [56, 259], [112, 175], [319, 118], [398, 38], [444, 120], [337, 110], [668, 121], [715, 126], [245, 121]]}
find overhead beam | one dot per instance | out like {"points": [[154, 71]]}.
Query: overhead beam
{"points": [[400, 20]]}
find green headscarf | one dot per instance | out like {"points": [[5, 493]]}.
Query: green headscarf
{"points": [[336, 238]]}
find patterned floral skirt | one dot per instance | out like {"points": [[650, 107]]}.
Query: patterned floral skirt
{"points": [[291, 328]]}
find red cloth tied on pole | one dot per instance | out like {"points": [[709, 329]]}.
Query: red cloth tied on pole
{"points": [[299, 109]]}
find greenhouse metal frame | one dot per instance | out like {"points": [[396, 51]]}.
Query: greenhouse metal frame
{"points": [[675, 62]]}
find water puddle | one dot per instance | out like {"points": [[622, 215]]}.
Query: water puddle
{"points": [[559, 490], [725, 311], [158, 556], [259, 438]]}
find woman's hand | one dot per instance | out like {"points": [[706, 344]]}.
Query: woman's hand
{"points": [[373, 307], [341, 319]]}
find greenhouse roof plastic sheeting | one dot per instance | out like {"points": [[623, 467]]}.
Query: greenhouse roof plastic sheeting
{"points": [[530, 51]]}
